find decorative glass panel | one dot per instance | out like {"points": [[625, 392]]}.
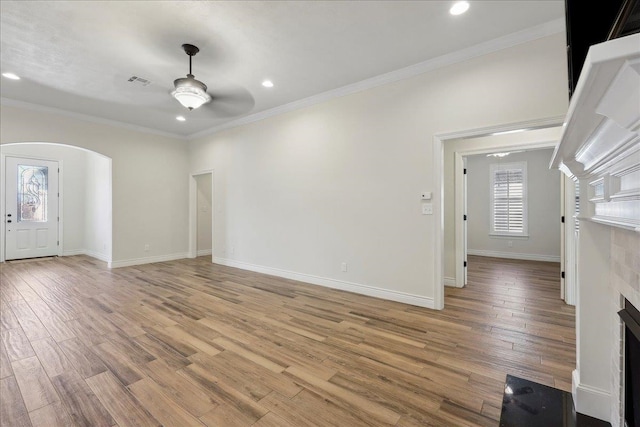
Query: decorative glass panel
{"points": [[32, 193]]}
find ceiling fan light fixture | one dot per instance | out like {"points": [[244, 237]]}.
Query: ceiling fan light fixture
{"points": [[191, 93]]}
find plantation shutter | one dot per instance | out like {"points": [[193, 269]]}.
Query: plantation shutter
{"points": [[508, 200]]}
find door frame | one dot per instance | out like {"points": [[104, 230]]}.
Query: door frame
{"points": [[438, 184], [193, 212], [3, 210]]}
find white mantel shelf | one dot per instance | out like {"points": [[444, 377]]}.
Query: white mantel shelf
{"points": [[600, 144]]}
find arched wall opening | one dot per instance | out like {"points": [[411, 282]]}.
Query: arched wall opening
{"points": [[85, 207]]}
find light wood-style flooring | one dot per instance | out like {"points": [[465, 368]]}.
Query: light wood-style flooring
{"points": [[190, 343]]}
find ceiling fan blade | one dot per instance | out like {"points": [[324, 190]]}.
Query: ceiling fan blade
{"points": [[230, 102]]}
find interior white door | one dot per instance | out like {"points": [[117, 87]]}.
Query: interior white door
{"points": [[31, 203]]}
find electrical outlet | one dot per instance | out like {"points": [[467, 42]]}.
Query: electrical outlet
{"points": [[146, 247], [510, 243], [343, 267]]}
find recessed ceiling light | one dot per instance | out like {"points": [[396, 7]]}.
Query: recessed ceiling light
{"points": [[180, 118], [267, 83], [459, 8], [11, 76]]}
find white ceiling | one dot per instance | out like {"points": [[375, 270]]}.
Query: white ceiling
{"points": [[78, 55]]}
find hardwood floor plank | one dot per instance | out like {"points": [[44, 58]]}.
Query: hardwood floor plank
{"points": [[160, 406], [122, 406], [224, 394], [17, 344], [12, 409], [119, 363], [51, 357], [35, 387], [273, 420], [187, 394], [31, 325], [52, 415], [353, 401], [199, 343], [8, 320], [5, 363], [83, 359]]}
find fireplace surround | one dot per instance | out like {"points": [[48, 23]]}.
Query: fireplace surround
{"points": [[631, 373]]}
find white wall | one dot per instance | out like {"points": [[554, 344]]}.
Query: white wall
{"points": [[543, 196], [149, 179], [204, 214], [98, 207], [340, 182]]}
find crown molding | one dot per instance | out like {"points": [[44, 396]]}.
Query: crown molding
{"points": [[530, 34], [88, 118], [510, 40]]}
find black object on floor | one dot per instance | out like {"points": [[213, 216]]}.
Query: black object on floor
{"points": [[529, 404]]}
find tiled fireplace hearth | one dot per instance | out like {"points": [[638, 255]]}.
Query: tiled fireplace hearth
{"points": [[600, 148]]}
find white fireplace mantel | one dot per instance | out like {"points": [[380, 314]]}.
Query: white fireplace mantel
{"points": [[600, 148], [600, 143]]}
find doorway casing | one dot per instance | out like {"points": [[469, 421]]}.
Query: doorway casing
{"points": [[438, 179], [193, 212]]}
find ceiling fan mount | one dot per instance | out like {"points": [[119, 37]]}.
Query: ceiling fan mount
{"points": [[191, 93], [190, 49]]}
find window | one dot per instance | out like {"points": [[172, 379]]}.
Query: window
{"points": [[509, 199]]}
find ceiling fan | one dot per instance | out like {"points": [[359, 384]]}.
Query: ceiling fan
{"points": [[192, 93], [189, 92]]}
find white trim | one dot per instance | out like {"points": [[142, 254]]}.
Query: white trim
{"points": [[203, 252], [493, 168], [438, 142], [331, 283], [193, 211], [97, 255], [459, 212], [147, 260], [92, 254], [74, 252], [451, 281], [88, 118], [589, 400], [514, 255]]}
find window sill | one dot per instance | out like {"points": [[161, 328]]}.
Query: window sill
{"points": [[509, 236]]}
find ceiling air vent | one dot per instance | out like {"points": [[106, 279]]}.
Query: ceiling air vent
{"points": [[139, 80]]}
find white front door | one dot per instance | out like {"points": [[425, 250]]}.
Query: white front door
{"points": [[31, 203]]}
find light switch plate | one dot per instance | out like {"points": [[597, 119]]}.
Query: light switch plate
{"points": [[426, 195], [427, 209]]}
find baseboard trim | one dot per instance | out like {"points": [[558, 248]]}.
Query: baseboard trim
{"points": [[342, 285], [513, 255], [92, 254], [450, 281], [97, 255], [147, 260], [589, 400], [203, 252], [74, 252]]}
